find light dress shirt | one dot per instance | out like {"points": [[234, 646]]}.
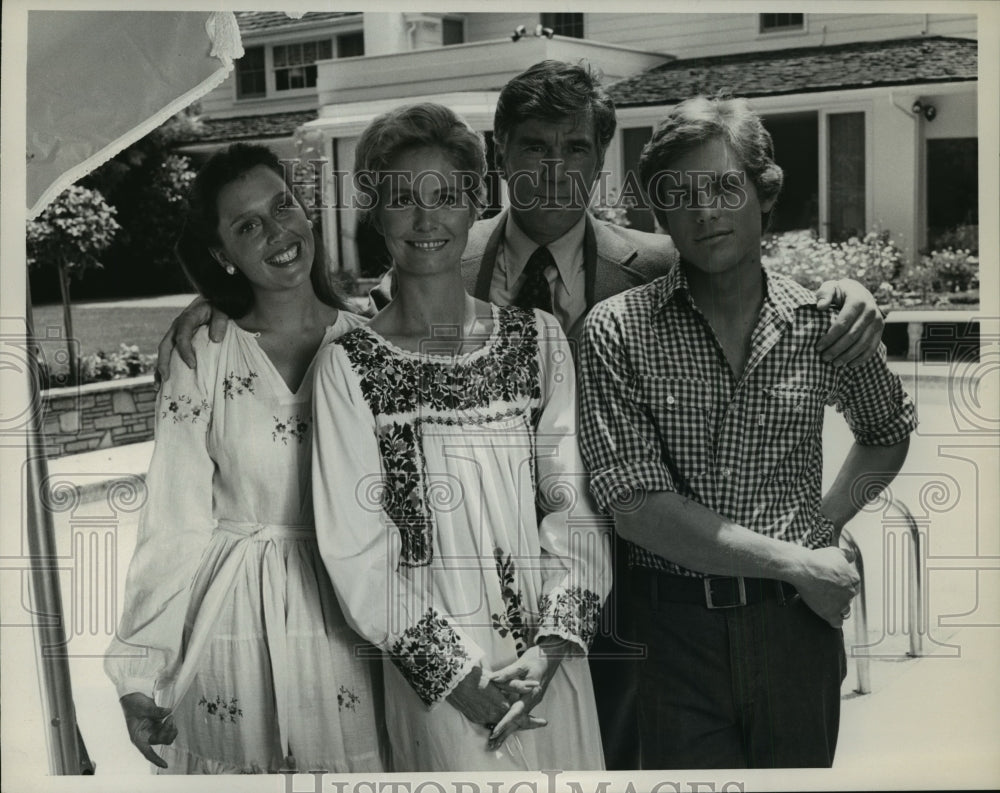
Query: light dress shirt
{"points": [[566, 279]]}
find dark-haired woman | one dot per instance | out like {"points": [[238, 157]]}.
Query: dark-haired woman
{"points": [[233, 652]]}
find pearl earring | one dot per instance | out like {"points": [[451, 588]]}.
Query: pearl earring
{"points": [[230, 269]]}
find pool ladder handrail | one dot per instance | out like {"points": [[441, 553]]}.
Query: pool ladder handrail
{"points": [[915, 593]]}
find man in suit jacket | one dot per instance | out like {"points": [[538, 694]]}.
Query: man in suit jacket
{"points": [[552, 127]]}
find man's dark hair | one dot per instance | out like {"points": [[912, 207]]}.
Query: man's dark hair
{"points": [[551, 91], [233, 293]]}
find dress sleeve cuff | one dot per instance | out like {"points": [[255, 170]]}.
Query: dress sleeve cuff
{"points": [[433, 657], [572, 613], [132, 685]]}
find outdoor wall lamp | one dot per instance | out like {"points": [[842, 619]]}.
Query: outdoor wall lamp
{"points": [[521, 31], [928, 111]]}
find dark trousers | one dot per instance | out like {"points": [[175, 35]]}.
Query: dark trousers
{"points": [[754, 686], [614, 667]]}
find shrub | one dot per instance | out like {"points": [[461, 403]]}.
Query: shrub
{"points": [[944, 271], [965, 238], [877, 263], [68, 236], [873, 260], [127, 362], [610, 209]]}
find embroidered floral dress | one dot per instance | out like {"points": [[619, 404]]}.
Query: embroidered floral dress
{"points": [[229, 615], [452, 514]]}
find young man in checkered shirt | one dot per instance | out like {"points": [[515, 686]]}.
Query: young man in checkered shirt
{"points": [[702, 410]]}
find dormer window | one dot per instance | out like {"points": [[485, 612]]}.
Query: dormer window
{"points": [[781, 23], [251, 75], [295, 64]]}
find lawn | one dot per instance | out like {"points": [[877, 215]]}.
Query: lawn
{"points": [[104, 326]]}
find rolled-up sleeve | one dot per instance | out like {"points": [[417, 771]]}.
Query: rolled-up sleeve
{"points": [[876, 407], [618, 438]]}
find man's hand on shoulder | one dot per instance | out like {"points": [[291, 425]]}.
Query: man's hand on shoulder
{"points": [[181, 333], [856, 332]]}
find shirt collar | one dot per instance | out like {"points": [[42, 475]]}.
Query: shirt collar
{"points": [[782, 293], [786, 295], [673, 283], [567, 251]]}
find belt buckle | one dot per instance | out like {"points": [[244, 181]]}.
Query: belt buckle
{"points": [[710, 602]]}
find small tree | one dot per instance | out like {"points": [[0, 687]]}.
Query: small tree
{"points": [[69, 235]]}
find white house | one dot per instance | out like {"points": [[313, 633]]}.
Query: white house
{"points": [[873, 115]]}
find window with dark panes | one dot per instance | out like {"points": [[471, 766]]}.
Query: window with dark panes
{"points": [[250, 74], [846, 186], [351, 45], [568, 25], [770, 23], [295, 64], [952, 186], [633, 139], [452, 31]]}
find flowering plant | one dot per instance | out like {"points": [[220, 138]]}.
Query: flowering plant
{"points": [[873, 260], [876, 262], [610, 209], [69, 234], [126, 362], [76, 228]]}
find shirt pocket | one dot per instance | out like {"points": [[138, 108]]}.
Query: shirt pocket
{"points": [[680, 410], [791, 431]]}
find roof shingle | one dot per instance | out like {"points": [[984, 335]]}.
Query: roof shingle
{"points": [[803, 70], [272, 125], [256, 21]]}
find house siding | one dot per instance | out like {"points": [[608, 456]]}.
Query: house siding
{"points": [[484, 27], [697, 35]]}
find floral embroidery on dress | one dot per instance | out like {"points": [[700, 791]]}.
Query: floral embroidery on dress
{"points": [[224, 710], [511, 621], [403, 498], [395, 384], [182, 408], [574, 611], [392, 383], [347, 699], [429, 655], [233, 385], [292, 427]]}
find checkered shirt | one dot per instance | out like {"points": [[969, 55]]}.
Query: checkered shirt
{"points": [[662, 411]]}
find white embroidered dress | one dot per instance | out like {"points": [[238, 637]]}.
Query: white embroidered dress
{"points": [[452, 514], [229, 616]]}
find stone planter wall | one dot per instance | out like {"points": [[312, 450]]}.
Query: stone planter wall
{"points": [[98, 415], [119, 412]]}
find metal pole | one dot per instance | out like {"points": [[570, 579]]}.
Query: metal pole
{"points": [[914, 589], [860, 616], [67, 754]]}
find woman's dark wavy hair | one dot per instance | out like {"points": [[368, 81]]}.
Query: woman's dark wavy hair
{"points": [[199, 234]]}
